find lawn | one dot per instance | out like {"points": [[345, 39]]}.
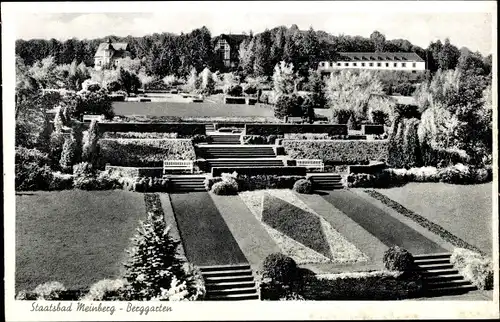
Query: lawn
{"points": [[206, 238], [74, 237], [190, 109], [464, 210]]}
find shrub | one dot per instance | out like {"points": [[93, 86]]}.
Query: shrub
{"points": [[256, 182], [144, 152], [398, 259], [288, 105], [338, 151], [303, 186], [105, 290], [50, 291], [32, 170], [458, 174], [90, 146], [225, 187], [68, 154], [280, 269], [61, 181], [474, 267], [235, 90], [56, 147]]}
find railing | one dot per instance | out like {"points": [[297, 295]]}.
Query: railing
{"points": [[307, 163], [177, 165]]}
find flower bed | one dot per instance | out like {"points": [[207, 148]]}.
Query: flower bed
{"points": [[144, 152], [337, 151]]}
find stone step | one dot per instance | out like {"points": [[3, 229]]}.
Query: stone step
{"points": [[442, 278], [434, 266], [434, 272], [228, 279], [240, 290], [443, 284], [223, 267], [450, 290], [233, 297], [229, 285], [229, 272], [432, 256], [432, 261]]}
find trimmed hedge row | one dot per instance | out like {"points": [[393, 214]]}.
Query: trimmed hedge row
{"points": [[281, 129], [279, 171], [144, 152], [337, 151], [182, 129], [369, 168], [258, 182], [371, 129]]}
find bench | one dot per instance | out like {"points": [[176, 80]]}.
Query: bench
{"points": [[90, 117], [307, 163], [294, 119], [177, 165]]}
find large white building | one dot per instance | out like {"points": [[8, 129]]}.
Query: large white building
{"points": [[108, 53], [375, 61]]}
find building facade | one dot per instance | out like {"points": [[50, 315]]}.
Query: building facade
{"points": [[108, 53], [410, 62], [227, 47]]}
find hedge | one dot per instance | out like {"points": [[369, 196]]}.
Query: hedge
{"points": [[154, 172], [144, 152], [183, 129], [279, 171], [234, 100], [281, 129], [367, 168], [337, 151], [369, 129], [362, 286]]}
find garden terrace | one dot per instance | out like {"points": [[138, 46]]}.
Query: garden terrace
{"points": [[182, 129], [281, 129], [338, 151]]}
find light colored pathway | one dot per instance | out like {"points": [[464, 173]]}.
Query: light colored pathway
{"points": [[249, 233], [352, 231]]}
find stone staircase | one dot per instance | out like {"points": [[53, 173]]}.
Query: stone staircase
{"points": [[327, 181], [209, 127], [212, 151], [225, 139], [440, 277], [186, 183], [229, 283]]}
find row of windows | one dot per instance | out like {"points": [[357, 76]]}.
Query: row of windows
{"points": [[414, 65]]}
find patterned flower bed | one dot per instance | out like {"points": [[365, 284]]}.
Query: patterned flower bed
{"points": [[298, 230]]}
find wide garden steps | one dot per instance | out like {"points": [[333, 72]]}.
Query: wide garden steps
{"points": [[244, 162], [233, 151], [439, 276], [225, 139], [229, 283], [186, 183], [326, 181]]}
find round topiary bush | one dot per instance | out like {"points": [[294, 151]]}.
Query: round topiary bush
{"points": [[303, 186], [398, 259], [225, 188], [280, 269]]}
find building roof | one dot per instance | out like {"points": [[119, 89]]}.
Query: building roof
{"points": [[116, 46], [353, 56], [233, 39]]}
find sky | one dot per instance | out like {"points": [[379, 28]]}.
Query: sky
{"points": [[421, 22]]}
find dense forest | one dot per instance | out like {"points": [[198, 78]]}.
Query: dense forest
{"points": [[169, 54]]}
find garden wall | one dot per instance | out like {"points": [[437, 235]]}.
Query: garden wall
{"points": [[338, 151], [281, 129], [144, 152], [183, 129]]}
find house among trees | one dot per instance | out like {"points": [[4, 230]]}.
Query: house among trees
{"points": [[108, 53], [375, 61], [226, 48]]}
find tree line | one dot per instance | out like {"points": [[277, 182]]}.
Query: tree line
{"points": [[165, 53]]}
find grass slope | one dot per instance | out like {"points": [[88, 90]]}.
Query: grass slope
{"points": [[75, 237], [296, 223], [383, 226], [206, 238], [463, 210]]}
